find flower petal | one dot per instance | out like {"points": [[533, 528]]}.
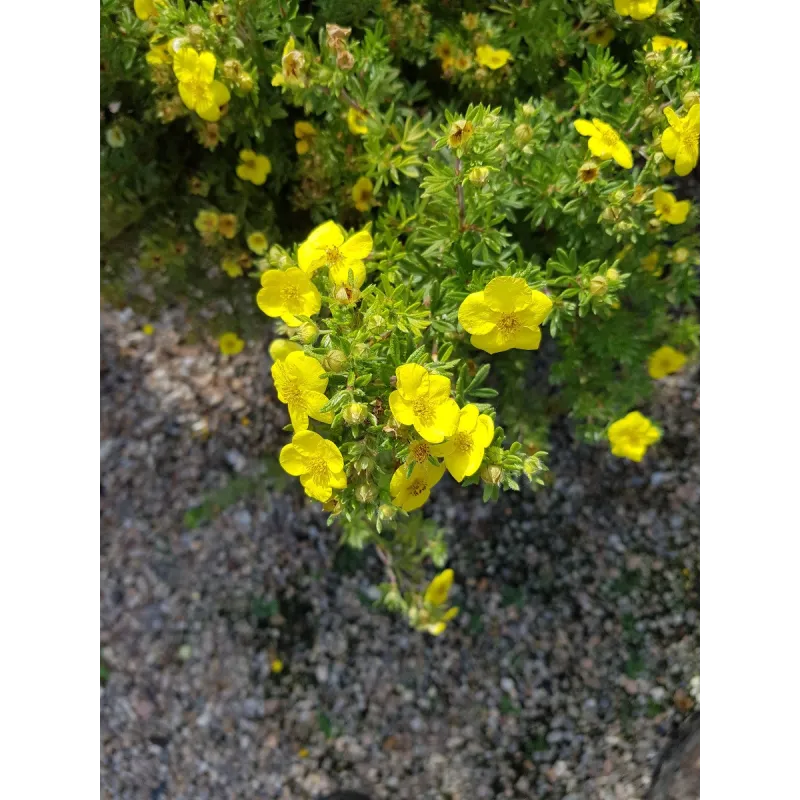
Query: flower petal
{"points": [[332, 456], [298, 415], [338, 480], [622, 155], [684, 161], [412, 379], [585, 128], [292, 461], [358, 246], [314, 402], [206, 64], [475, 315], [484, 431], [541, 305], [340, 273], [506, 294], [401, 410], [468, 418], [318, 491], [670, 143], [458, 463]]}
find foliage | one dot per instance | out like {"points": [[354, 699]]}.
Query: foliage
{"points": [[480, 170]]}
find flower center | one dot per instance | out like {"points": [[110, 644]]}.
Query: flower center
{"points": [[689, 138], [508, 324], [424, 410], [333, 256], [289, 295], [417, 487], [419, 452], [293, 394], [462, 442], [610, 138], [319, 471]]}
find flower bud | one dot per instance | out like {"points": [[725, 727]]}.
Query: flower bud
{"points": [[690, 99], [664, 168], [365, 464], [355, 413], [523, 133], [361, 350], [332, 506], [654, 225], [612, 274], [308, 333], [492, 474], [232, 69], [598, 286], [611, 214], [365, 493], [531, 466], [654, 59], [278, 257], [528, 109], [115, 137], [680, 255], [218, 14], [334, 361], [460, 133], [345, 60], [345, 295], [245, 82], [478, 175], [386, 511], [195, 34]]}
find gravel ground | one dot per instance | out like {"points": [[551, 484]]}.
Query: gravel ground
{"points": [[564, 676]]}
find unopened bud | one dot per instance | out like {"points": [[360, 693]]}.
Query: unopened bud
{"points": [[523, 133], [195, 34], [309, 332], [278, 257], [386, 511], [346, 295], [232, 69], [528, 109], [365, 493], [355, 413], [492, 474], [332, 506], [651, 114], [365, 464], [612, 274], [690, 99], [361, 350], [598, 285], [245, 82], [335, 361], [653, 58], [680, 255], [611, 214], [478, 175]]}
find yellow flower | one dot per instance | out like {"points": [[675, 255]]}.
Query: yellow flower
{"points": [[487, 56], [254, 167], [327, 246], [665, 361], [650, 263], [159, 54], [588, 171], [276, 666], [478, 175], [286, 293], [632, 435], [230, 344], [303, 753], [304, 132], [355, 121], [292, 64], [659, 43], [257, 242], [681, 141], [460, 133], [602, 35], [463, 452], [439, 588], [438, 628], [196, 85], [423, 400], [317, 462], [604, 142], [636, 9], [206, 222], [299, 383], [148, 329], [280, 348], [505, 315], [228, 225], [146, 8], [232, 267], [462, 62], [409, 493], [362, 194], [669, 209]]}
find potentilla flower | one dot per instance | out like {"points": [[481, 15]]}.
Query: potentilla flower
{"points": [[286, 293], [665, 361], [487, 56], [304, 132], [463, 451], [254, 167], [411, 492], [669, 209], [435, 597], [159, 54], [257, 242], [293, 64], [232, 268], [230, 344], [632, 435], [660, 43], [602, 35], [636, 9], [681, 141], [228, 225], [146, 8], [460, 133], [280, 348], [317, 462], [206, 222], [505, 315], [439, 588], [423, 400], [355, 121], [196, 85], [362, 194], [605, 142], [326, 246], [300, 384]]}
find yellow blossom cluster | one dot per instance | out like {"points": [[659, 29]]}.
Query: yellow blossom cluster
{"points": [[196, 85]]}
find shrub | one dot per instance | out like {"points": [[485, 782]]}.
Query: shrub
{"points": [[414, 193]]}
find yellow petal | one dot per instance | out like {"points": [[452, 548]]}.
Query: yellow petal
{"points": [[495, 342], [684, 161], [670, 143], [187, 95], [340, 273], [401, 410], [540, 306], [622, 155], [292, 460], [585, 128], [412, 379], [358, 246], [220, 92], [280, 348], [505, 294], [439, 588], [184, 63], [338, 480], [468, 418], [298, 416], [206, 64], [599, 149], [318, 491], [475, 315], [484, 431], [458, 463]]}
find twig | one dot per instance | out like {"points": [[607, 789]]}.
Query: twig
{"points": [[387, 562], [460, 197]]}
